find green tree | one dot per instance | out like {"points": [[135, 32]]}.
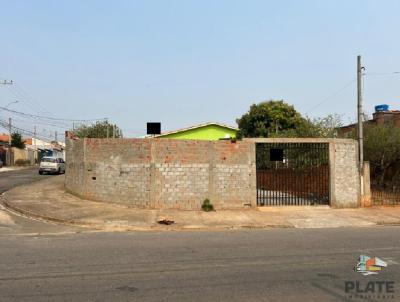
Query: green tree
{"points": [[382, 150], [16, 140], [268, 118], [98, 130], [325, 127]]}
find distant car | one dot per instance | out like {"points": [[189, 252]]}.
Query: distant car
{"points": [[54, 165]]}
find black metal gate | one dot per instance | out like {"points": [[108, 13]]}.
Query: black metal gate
{"points": [[292, 173]]}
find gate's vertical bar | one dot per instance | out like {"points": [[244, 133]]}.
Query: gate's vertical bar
{"points": [[296, 171], [272, 180], [257, 176], [275, 182], [266, 176], [279, 188], [305, 182], [276, 191], [293, 174], [261, 174], [321, 192], [318, 173], [310, 174]]}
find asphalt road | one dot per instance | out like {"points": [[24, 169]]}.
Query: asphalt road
{"points": [[250, 265], [12, 179], [11, 223]]}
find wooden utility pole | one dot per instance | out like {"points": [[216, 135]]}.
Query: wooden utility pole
{"points": [[360, 117]]}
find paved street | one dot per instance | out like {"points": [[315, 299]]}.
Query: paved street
{"points": [[12, 179], [16, 224], [49, 262], [252, 265]]}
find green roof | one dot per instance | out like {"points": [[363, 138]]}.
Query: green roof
{"points": [[208, 131]]}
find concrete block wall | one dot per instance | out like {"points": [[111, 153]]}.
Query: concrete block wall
{"points": [[161, 173], [345, 177], [180, 174], [75, 165]]}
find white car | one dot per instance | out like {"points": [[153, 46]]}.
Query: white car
{"points": [[52, 165]]}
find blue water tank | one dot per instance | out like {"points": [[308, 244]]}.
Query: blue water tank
{"points": [[381, 108]]}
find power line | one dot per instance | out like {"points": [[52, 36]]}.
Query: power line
{"points": [[5, 125], [382, 73], [331, 95], [39, 122], [24, 94], [50, 118]]}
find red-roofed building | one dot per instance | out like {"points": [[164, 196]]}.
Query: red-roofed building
{"points": [[4, 138]]}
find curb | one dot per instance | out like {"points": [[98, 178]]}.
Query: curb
{"points": [[102, 227], [30, 215]]}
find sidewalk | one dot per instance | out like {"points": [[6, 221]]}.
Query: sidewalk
{"points": [[14, 168], [47, 200]]}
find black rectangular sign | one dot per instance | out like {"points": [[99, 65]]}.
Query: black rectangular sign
{"points": [[153, 128]]}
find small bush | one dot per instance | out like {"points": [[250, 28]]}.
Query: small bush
{"points": [[207, 206]]}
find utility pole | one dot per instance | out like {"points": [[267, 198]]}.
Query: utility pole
{"points": [[9, 142], [113, 131], [360, 116], [8, 82], [9, 130], [35, 154]]}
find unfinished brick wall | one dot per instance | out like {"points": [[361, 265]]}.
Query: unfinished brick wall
{"points": [[180, 174], [76, 166], [345, 182], [161, 173]]}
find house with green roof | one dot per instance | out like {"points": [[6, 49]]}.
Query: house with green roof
{"points": [[207, 131]]}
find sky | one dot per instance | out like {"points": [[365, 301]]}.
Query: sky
{"points": [[188, 62]]}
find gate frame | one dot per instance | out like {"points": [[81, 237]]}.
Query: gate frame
{"points": [[294, 146], [336, 198]]}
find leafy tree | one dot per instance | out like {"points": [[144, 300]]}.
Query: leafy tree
{"points": [[278, 119], [325, 127], [382, 150], [268, 118], [16, 141], [98, 130]]}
